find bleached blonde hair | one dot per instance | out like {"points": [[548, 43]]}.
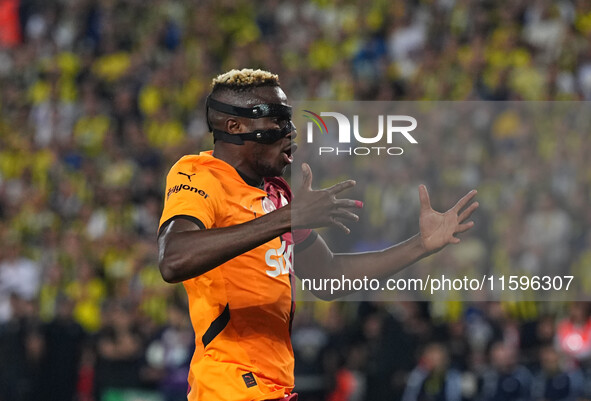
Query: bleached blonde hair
{"points": [[244, 79]]}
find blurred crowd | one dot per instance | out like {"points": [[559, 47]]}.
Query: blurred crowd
{"points": [[100, 97]]}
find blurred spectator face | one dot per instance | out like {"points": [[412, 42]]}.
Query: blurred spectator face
{"points": [[549, 360], [372, 327], [435, 358], [65, 308], [90, 104], [496, 311], [123, 101], [357, 357], [457, 329], [34, 345], [54, 274], [545, 329], [122, 318], [22, 308], [578, 312], [85, 272], [502, 357], [334, 320]]}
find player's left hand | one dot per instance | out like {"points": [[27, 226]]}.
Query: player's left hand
{"points": [[438, 229]]}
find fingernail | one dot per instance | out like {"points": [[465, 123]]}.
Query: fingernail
{"points": [[358, 204]]}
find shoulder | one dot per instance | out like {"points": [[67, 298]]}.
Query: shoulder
{"points": [[192, 167], [188, 162], [193, 173]]}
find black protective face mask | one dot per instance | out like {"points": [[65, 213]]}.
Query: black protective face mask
{"points": [[259, 111]]}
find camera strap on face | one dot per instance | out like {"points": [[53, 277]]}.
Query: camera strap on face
{"points": [[259, 111]]}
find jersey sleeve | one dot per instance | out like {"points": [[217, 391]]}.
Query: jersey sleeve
{"points": [[191, 193]]}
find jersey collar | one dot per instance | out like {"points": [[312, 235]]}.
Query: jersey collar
{"points": [[239, 175]]}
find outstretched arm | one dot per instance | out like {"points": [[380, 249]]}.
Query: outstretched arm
{"points": [[436, 231], [185, 251]]}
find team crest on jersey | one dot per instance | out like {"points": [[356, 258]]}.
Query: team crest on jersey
{"points": [[269, 206]]}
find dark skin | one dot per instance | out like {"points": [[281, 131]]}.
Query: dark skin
{"points": [[185, 251]]}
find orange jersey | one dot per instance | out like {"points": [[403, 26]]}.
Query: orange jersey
{"points": [[241, 310]]}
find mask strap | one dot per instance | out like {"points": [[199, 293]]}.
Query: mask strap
{"points": [[258, 111], [261, 136]]}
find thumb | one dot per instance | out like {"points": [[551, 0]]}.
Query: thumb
{"points": [[307, 173], [424, 198]]}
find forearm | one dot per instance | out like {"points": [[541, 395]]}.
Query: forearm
{"points": [[190, 253], [318, 262], [378, 264]]}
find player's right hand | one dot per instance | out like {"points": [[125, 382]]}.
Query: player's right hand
{"points": [[321, 208]]}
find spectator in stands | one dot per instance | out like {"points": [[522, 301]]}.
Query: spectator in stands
{"points": [[506, 380], [119, 350], [554, 382], [432, 379], [169, 354], [573, 334], [63, 339], [19, 276]]}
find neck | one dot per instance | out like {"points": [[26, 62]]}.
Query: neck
{"points": [[234, 159], [250, 181]]}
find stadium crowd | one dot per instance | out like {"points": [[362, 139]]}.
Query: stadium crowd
{"points": [[100, 97]]}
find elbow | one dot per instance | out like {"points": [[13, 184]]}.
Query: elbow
{"points": [[171, 269], [175, 267], [327, 296], [324, 295], [169, 273], [177, 260]]}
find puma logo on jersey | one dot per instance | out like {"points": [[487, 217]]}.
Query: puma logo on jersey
{"points": [[279, 259], [187, 175]]}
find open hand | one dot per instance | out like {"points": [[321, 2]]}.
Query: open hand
{"points": [[438, 229], [321, 208]]}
